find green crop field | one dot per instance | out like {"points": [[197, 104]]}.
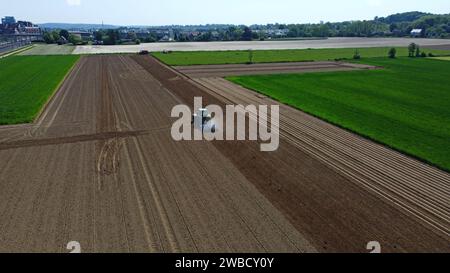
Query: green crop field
{"points": [[406, 105], [267, 56], [27, 82]]}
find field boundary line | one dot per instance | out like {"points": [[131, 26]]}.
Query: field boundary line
{"points": [[16, 51]]}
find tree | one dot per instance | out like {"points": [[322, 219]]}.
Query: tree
{"points": [[417, 51], [392, 53], [132, 35], [64, 33], [233, 33], [111, 38], [98, 35], [247, 35], [55, 35], [255, 35], [74, 39], [393, 27], [205, 37], [411, 49], [357, 56], [48, 38], [403, 17], [250, 56], [321, 31], [151, 38]]}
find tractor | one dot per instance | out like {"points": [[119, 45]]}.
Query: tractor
{"points": [[203, 121]]}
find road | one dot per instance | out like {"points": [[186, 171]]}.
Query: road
{"points": [[100, 167], [262, 45], [218, 71]]}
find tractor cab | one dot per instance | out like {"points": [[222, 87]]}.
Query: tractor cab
{"points": [[202, 120]]}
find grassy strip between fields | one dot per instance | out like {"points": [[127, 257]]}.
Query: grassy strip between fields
{"points": [[27, 82], [447, 58], [405, 106], [15, 51], [267, 56]]}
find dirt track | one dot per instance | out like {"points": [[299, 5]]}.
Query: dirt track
{"points": [[336, 42], [199, 71], [439, 47], [101, 168]]}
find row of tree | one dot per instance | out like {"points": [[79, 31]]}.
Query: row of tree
{"points": [[433, 26], [413, 51], [107, 37], [400, 25], [61, 37], [397, 25]]}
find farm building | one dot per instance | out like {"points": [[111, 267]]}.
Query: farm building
{"points": [[416, 32]]}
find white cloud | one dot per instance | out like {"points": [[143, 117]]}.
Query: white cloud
{"points": [[73, 2]]}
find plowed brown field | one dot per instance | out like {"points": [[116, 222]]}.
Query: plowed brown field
{"points": [[100, 167]]}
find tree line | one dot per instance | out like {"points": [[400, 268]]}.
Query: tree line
{"points": [[61, 37], [397, 25]]}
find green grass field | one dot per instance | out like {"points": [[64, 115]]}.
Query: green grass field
{"points": [[264, 56], [405, 106], [27, 82]]}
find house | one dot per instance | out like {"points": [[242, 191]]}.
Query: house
{"points": [[32, 30], [62, 41], [8, 20], [166, 38], [83, 35], [417, 32], [20, 29], [276, 33]]}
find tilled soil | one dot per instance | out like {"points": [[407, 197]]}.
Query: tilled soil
{"points": [[100, 167], [418, 188], [338, 196]]}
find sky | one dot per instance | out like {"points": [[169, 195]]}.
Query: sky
{"points": [[189, 12]]}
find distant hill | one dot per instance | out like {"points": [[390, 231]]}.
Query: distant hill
{"points": [[76, 26], [432, 25], [403, 17]]}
